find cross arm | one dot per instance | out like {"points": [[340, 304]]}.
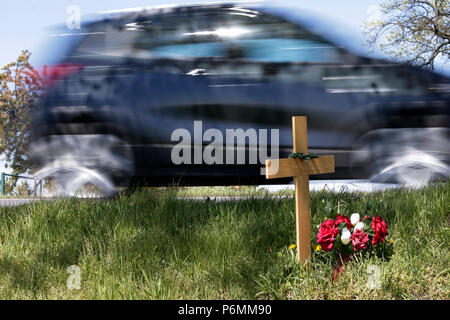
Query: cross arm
{"points": [[293, 167]]}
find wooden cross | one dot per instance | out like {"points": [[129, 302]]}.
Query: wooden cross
{"points": [[300, 170]]}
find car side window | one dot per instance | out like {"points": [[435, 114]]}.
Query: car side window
{"points": [[288, 50], [230, 33]]}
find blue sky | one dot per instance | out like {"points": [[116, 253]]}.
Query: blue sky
{"points": [[25, 24]]}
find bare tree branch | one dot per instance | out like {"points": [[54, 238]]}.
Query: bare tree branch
{"points": [[415, 31]]}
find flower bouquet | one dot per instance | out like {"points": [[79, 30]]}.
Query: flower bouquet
{"points": [[344, 236]]}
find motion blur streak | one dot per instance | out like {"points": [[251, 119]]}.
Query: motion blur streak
{"points": [[68, 159], [147, 72], [413, 168]]}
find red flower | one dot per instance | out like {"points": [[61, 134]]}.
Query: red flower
{"points": [[360, 240], [326, 235], [379, 227], [340, 218]]}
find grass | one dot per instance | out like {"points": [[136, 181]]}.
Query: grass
{"points": [[225, 191], [149, 245]]}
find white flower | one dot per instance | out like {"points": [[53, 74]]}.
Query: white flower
{"points": [[345, 236], [354, 218], [359, 226]]}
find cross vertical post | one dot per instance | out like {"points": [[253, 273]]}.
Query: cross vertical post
{"points": [[300, 170], [302, 202]]}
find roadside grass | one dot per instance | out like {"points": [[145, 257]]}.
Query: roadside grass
{"points": [[223, 191], [151, 245]]}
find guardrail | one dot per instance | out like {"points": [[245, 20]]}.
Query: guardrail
{"points": [[37, 184]]}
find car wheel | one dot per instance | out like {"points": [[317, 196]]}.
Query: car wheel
{"points": [[83, 165], [411, 157]]}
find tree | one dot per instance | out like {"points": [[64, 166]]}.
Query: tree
{"points": [[23, 189], [21, 86], [415, 31]]}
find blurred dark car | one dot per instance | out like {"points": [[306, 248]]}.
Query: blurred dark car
{"points": [[124, 83]]}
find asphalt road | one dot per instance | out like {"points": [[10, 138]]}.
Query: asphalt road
{"points": [[315, 185], [11, 202], [14, 202], [337, 186]]}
